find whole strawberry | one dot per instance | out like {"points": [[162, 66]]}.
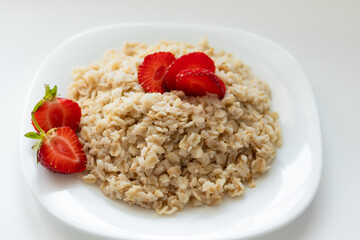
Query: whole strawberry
{"points": [[53, 112]]}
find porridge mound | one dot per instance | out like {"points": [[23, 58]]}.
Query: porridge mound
{"points": [[165, 151]]}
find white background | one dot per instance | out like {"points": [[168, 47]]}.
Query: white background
{"points": [[324, 36]]}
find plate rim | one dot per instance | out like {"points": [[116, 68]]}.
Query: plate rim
{"points": [[270, 228]]}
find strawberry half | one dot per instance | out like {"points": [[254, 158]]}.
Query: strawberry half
{"points": [[198, 82], [152, 70], [59, 150], [189, 61], [53, 112]]}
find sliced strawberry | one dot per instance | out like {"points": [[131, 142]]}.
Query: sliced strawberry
{"points": [[52, 112], [198, 82], [58, 113], [152, 70], [189, 61], [59, 150]]}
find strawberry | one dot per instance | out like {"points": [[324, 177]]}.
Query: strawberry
{"points": [[52, 112], [198, 82], [152, 70], [188, 61], [59, 150]]}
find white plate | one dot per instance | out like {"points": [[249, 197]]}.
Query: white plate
{"points": [[280, 196]]}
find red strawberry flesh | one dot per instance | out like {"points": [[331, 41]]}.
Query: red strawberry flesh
{"points": [[58, 112], [189, 61], [152, 70], [61, 152], [198, 82]]}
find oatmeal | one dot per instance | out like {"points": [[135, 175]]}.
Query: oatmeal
{"points": [[166, 151]]}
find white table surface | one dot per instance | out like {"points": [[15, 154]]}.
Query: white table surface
{"points": [[324, 36]]}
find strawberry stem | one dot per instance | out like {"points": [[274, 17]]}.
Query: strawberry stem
{"points": [[50, 94], [36, 123]]}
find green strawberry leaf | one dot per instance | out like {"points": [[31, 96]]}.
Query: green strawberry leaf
{"points": [[33, 135], [47, 89], [50, 93], [53, 91], [37, 146]]}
